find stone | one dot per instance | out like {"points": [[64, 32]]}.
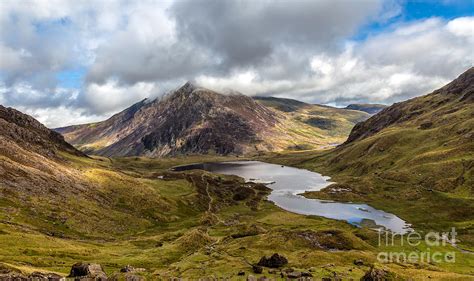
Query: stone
{"points": [[358, 262], [273, 271], [241, 273], [37, 276], [251, 278], [274, 261], [377, 274], [294, 275], [257, 269], [89, 270]]}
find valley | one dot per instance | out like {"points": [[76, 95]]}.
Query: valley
{"points": [[200, 229], [122, 203]]}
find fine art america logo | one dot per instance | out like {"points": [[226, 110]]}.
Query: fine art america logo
{"points": [[431, 247]]}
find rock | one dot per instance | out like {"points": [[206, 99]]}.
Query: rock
{"points": [[426, 125], [241, 273], [294, 275], [306, 274], [257, 269], [127, 268], [358, 262], [89, 270], [376, 274], [274, 261], [37, 276], [127, 277], [263, 278], [251, 278], [273, 271]]}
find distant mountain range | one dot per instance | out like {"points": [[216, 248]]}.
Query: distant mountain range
{"points": [[367, 107], [196, 120]]}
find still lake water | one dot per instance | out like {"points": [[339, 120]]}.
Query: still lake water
{"points": [[287, 183]]}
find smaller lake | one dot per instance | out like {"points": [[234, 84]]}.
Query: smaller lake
{"points": [[288, 182]]}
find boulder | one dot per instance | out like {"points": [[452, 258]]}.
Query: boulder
{"points": [[88, 270], [294, 275], [377, 274], [39, 276], [257, 269], [358, 262], [274, 261]]}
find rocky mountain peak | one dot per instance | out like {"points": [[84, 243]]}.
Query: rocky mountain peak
{"points": [[28, 133]]}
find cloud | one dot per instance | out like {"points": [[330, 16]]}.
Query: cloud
{"points": [[308, 50], [110, 96], [410, 60]]}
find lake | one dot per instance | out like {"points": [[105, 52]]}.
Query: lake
{"points": [[288, 182]]}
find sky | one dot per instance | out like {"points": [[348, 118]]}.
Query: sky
{"points": [[71, 62]]}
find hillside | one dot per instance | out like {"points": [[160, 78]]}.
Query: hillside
{"points": [[414, 158], [367, 107], [59, 207], [195, 120]]}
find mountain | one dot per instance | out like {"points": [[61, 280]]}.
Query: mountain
{"points": [[367, 107], [414, 158], [32, 155], [282, 104], [27, 133], [199, 121], [447, 108]]}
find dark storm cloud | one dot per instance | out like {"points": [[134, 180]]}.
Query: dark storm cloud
{"points": [[246, 33]]}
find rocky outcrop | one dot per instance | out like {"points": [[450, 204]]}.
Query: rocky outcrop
{"points": [[377, 274], [274, 261], [11, 274], [28, 133], [88, 271]]}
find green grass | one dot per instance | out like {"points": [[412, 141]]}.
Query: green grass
{"points": [[159, 225]]}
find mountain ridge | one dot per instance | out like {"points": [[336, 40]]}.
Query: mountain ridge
{"points": [[196, 120]]}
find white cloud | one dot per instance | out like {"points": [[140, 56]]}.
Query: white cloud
{"points": [[137, 49], [411, 60], [109, 97], [55, 117]]}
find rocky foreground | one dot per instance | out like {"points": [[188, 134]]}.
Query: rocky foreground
{"points": [[274, 267]]}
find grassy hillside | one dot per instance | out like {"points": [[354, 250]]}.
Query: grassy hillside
{"points": [[186, 225], [309, 126], [414, 159]]}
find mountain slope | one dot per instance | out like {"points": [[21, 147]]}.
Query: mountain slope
{"points": [[200, 121], [29, 134], [31, 155], [367, 107], [414, 158]]}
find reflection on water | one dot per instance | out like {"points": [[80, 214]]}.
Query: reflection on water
{"points": [[287, 183]]}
